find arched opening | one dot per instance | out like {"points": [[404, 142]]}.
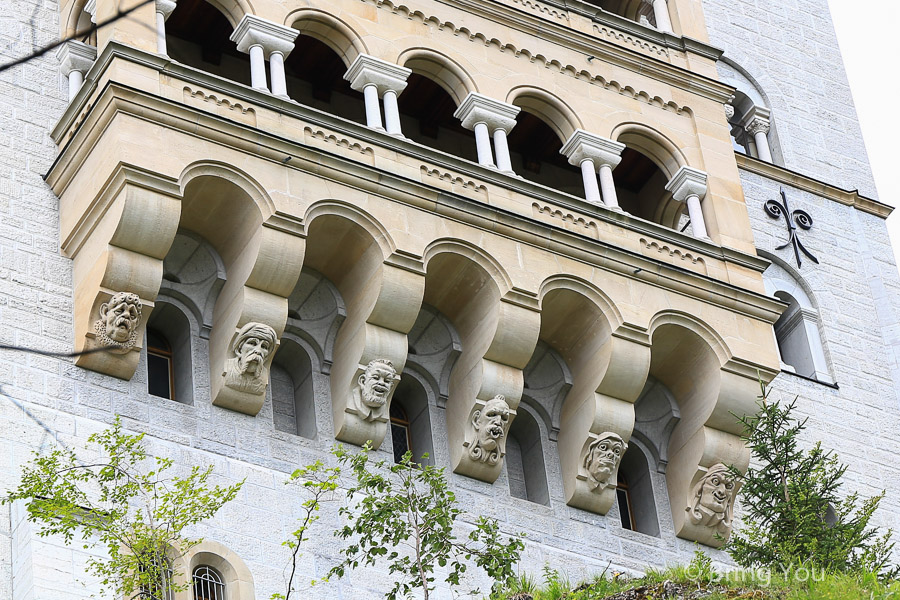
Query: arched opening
{"points": [[634, 493], [641, 190], [535, 152], [291, 385], [426, 116], [197, 34], [411, 422], [207, 584], [749, 115], [525, 459], [169, 364], [315, 77]]}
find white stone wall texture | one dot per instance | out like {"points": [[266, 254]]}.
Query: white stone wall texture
{"points": [[47, 401]]}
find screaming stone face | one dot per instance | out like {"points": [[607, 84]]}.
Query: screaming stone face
{"points": [[491, 422], [121, 316]]}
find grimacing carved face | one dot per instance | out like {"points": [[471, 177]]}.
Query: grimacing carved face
{"points": [[491, 421], [376, 383], [716, 491], [252, 353], [605, 455], [121, 316]]}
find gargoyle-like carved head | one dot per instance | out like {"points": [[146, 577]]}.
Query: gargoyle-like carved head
{"points": [[246, 370], [712, 499], [490, 425], [602, 459], [377, 382], [119, 320]]}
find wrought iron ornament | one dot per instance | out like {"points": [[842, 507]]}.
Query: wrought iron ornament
{"points": [[776, 210]]}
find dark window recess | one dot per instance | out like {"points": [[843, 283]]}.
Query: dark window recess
{"points": [[160, 375], [400, 439], [624, 499]]}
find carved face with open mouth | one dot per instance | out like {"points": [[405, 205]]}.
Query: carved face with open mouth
{"points": [[121, 316], [377, 382], [718, 487], [491, 422]]}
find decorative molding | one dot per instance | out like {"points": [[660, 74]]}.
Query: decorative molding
{"points": [[455, 180], [330, 138], [694, 263], [633, 40], [548, 62], [543, 8], [779, 210], [199, 97], [570, 221], [813, 186]]}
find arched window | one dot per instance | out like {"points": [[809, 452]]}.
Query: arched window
{"points": [[410, 421], [293, 400], [634, 492], [525, 459], [169, 371], [160, 375], [623, 498], [535, 152], [207, 584], [197, 34]]}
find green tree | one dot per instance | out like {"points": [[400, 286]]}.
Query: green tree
{"points": [[405, 514], [793, 511], [125, 500]]}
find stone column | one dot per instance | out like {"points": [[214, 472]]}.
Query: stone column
{"points": [[489, 118], [90, 7], [756, 123], [689, 185], [594, 154], [164, 10], [263, 40], [377, 78], [75, 58]]}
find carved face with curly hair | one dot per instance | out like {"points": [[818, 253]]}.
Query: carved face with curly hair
{"points": [[118, 322], [490, 425]]}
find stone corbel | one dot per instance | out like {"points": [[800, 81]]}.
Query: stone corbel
{"points": [[251, 313], [371, 348], [485, 390], [598, 417], [703, 446], [118, 243]]}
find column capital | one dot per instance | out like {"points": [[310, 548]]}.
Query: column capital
{"points": [[75, 56], [368, 70], [687, 182], [272, 37], [583, 145], [729, 111], [165, 7], [477, 108], [756, 120]]}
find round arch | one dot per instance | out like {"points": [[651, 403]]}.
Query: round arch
{"points": [[328, 29], [551, 109], [586, 289], [692, 324], [238, 578], [440, 68], [474, 254], [653, 144], [233, 175], [355, 215]]}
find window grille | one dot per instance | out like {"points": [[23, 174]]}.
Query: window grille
{"points": [[208, 584], [160, 589], [400, 438]]}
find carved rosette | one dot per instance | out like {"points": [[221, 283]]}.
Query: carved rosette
{"points": [[711, 501], [117, 328], [375, 385], [488, 426]]}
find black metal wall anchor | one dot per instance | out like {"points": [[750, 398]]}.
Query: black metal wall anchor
{"points": [[776, 210]]}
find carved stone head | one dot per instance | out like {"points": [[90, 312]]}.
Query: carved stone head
{"points": [[119, 320], [490, 425], [377, 382], [712, 499], [246, 371], [602, 459]]}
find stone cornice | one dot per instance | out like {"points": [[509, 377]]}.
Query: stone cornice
{"points": [[116, 99], [814, 186]]}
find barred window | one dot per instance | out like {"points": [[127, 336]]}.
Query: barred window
{"points": [[208, 584], [400, 437]]}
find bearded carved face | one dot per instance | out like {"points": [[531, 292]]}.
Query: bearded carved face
{"points": [[377, 382], [121, 316], [490, 423], [251, 355], [603, 457], [246, 371]]}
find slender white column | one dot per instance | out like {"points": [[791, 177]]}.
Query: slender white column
{"points": [[483, 145], [377, 78], [258, 68], [391, 113], [501, 151], [594, 153], [762, 144], [756, 123], [589, 176], [488, 117], [661, 12], [75, 59], [264, 40], [373, 110], [698, 224], [608, 187], [164, 9], [689, 185], [276, 68]]}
